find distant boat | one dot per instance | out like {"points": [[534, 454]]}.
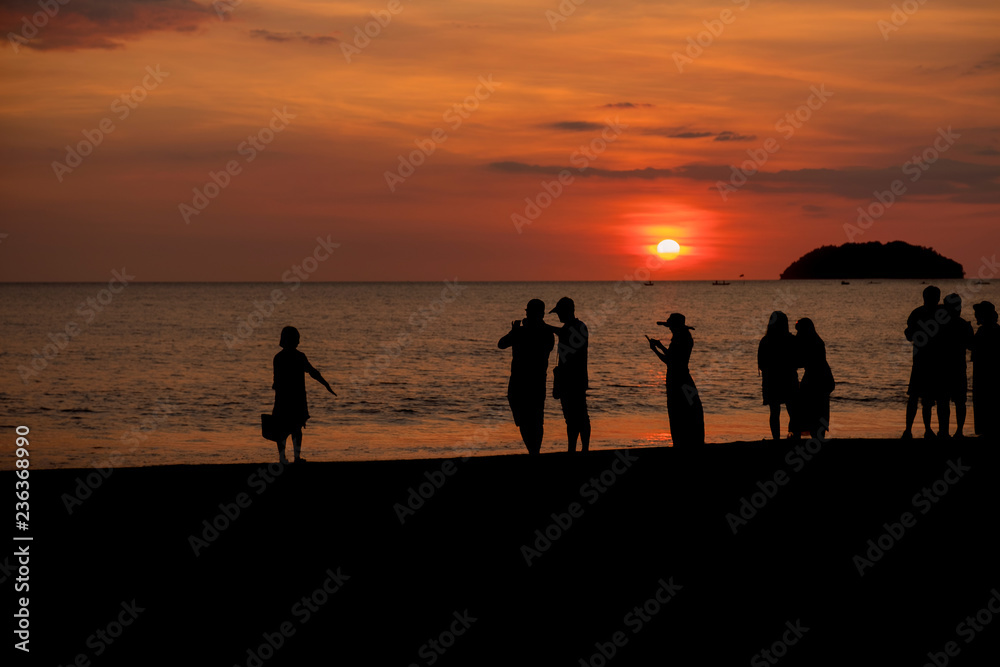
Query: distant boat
{"points": [[720, 282], [844, 282], [982, 282], [648, 283]]}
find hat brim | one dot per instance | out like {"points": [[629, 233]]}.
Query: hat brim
{"points": [[664, 324]]}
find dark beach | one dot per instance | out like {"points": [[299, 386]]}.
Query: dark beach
{"points": [[645, 567]]}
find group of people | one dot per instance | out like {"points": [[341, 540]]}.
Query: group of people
{"points": [[939, 375], [531, 341], [780, 355], [939, 335], [940, 338]]}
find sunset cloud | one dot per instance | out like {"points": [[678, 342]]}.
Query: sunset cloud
{"points": [[734, 136], [626, 105], [272, 36], [411, 101], [98, 24], [959, 182]]}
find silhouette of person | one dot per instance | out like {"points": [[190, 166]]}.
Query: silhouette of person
{"points": [[956, 338], [290, 408], [812, 414], [687, 419], [986, 371], [779, 374], [922, 327], [532, 341], [570, 380]]}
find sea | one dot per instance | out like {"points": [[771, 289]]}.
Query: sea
{"points": [[179, 373]]}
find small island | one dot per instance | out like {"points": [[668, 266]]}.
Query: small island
{"points": [[893, 260]]}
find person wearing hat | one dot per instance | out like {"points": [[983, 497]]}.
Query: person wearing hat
{"points": [[687, 419], [570, 380], [532, 342], [986, 371]]}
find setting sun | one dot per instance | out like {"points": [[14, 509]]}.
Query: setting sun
{"points": [[668, 247]]}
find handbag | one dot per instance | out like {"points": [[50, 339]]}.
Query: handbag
{"points": [[270, 428]]}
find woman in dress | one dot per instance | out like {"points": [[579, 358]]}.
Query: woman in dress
{"points": [[687, 420], [290, 408], [813, 406], [779, 375]]}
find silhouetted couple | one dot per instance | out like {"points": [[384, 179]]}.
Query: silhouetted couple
{"points": [[532, 341], [939, 374], [291, 411], [779, 356], [687, 419]]}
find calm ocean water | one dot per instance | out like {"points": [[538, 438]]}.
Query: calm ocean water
{"points": [[179, 373]]}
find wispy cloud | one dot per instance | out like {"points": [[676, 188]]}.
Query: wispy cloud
{"points": [[576, 126], [675, 132], [987, 65], [280, 37], [959, 182], [814, 211], [103, 24], [733, 136], [626, 105]]}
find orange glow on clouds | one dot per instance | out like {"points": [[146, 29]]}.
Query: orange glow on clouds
{"points": [[598, 99]]}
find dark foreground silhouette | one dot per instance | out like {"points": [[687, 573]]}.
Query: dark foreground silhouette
{"points": [[291, 411], [986, 371], [687, 420], [877, 551], [777, 364], [532, 341], [570, 377], [957, 337], [921, 330], [813, 400]]}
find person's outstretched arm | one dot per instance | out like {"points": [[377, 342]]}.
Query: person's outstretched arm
{"points": [[315, 375]]}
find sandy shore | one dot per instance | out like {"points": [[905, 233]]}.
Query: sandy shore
{"points": [[615, 557]]}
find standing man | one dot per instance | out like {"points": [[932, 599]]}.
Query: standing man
{"points": [[957, 336], [532, 342], [570, 383], [923, 329]]}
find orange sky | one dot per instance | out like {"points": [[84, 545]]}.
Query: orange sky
{"points": [[557, 84]]}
